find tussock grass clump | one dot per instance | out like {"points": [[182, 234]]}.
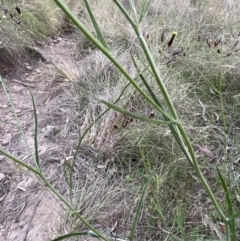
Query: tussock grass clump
{"points": [[100, 194]]}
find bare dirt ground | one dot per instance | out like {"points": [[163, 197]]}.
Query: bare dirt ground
{"points": [[28, 210]]}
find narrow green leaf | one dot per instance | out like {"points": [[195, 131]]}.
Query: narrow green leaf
{"points": [[145, 82], [144, 8], [96, 26], [133, 8], [140, 117], [36, 135], [232, 225], [70, 235], [234, 216], [228, 195], [157, 207], [180, 223], [137, 215]]}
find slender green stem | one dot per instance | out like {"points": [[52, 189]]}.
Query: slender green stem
{"points": [[94, 22], [31, 168], [231, 225], [137, 215], [36, 136], [156, 73]]}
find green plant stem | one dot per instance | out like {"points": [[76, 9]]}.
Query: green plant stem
{"points": [[31, 168], [97, 29], [137, 215], [41, 175], [231, 225]]}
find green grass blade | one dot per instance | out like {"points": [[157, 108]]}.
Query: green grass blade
{"points": [[228, 197], [234, 216], [145, 82], [96, 26], [133, 8], [158, 209], [232, 225], [137, 215], [180, 223], [143, 12], [36, 135], [70, 235]]}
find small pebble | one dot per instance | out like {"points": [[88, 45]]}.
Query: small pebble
{"points": [[2, 177], [29, 67]]}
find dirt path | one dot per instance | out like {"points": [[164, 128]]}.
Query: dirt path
{"points": [[28, 211]]}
